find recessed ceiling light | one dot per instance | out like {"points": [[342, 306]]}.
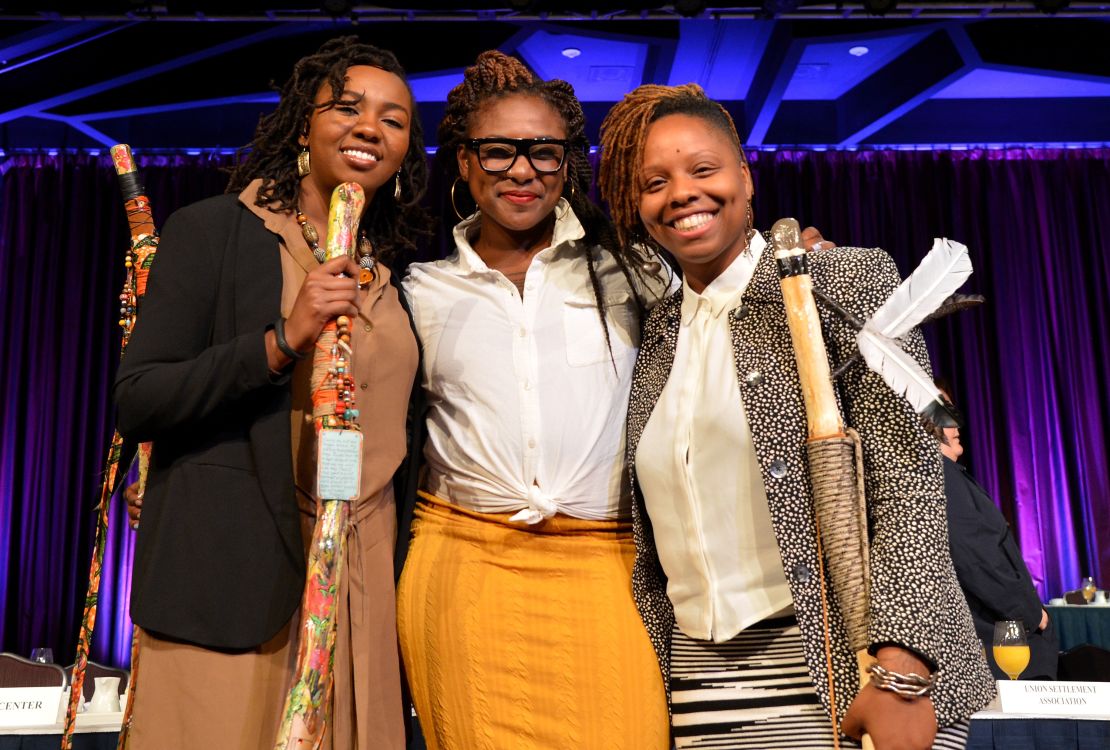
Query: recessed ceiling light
{"points": [[572, 52], [859, 51]]}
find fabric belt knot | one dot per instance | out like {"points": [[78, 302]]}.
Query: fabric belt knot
{"points": [[540, 507]]}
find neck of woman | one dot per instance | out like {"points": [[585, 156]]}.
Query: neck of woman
{"points": [[507, 250]]}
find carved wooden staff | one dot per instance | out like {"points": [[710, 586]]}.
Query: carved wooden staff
{"points": [[835, 473], [140, 258], [339, 451]]}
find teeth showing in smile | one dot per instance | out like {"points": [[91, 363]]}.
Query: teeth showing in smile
{"points": [[686, 223], [360, 155]]}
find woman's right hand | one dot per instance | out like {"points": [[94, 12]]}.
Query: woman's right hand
{"points": [[328, 292]]}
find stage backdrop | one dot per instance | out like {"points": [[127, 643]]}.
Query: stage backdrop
{"points": [[1028, 368]]}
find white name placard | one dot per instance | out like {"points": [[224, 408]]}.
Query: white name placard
{"points": [[338, 464], [29, 706], [1055, 698]]}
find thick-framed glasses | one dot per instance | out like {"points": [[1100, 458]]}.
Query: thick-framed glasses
{"points": [[546, 155]]}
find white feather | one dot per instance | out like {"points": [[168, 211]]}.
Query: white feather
{"points": [[942, 271], [900, 371]]}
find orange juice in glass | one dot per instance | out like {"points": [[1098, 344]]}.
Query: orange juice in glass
{"points": [[1011, 650]]}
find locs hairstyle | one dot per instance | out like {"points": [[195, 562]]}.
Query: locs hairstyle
{"points": [[495, 75], [623, 133], [390, 224]]}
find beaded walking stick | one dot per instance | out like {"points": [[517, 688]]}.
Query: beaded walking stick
{"points": [[339, 452], [140, 257]]}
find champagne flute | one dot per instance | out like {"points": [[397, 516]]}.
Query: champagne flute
{"points": [[42, 655], [1088, 588], [1011, 650]]}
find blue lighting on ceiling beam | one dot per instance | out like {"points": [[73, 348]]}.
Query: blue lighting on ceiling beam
{"points": [[67, 48], [138, 75]]}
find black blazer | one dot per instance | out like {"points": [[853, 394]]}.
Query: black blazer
{"points": [[992, 572], [219, 559]]}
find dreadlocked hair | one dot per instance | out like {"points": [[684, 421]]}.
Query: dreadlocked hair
{"points": [[392, 225], [496, 75], [623, 133]]}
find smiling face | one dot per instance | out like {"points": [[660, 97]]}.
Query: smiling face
{"points": [[518, 199], [363, 137], [694, 192]]}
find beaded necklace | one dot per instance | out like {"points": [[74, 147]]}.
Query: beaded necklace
{"points": [[366, 261]]}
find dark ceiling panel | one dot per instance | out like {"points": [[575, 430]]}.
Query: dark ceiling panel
{"points": [[1001, 121], [928, 63], [253, 69], [1059, 44]]}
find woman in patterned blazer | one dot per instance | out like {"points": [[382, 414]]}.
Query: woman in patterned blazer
{"points": [[727, 575]]}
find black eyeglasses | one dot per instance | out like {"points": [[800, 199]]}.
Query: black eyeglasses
{"points": [[546, 155]]}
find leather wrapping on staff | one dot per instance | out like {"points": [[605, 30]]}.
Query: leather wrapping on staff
{"points": [[836, 500]]}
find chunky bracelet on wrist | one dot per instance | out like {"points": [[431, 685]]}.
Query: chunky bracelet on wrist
{"points": [[283, 344], [908, 686]]}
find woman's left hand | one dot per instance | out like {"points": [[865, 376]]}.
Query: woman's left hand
{"points": [[894, 723]]}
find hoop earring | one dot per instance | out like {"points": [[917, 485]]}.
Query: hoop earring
{"points": [[304, 163], [454, 205], [397, 187]]}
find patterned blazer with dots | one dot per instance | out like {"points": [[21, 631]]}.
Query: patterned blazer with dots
{"points": [[916, 601]]}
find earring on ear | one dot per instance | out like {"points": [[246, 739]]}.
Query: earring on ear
{"points": [[397, 187], [455, 205], [304, 163], [750, 230]]}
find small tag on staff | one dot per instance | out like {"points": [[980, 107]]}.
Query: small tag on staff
{"points": [[338, 464]]}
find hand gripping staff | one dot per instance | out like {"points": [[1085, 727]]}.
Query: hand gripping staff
{"points": [[835, 456], [339, 453], [139, 259]]}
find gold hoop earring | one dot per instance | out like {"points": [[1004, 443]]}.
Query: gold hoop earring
{"points": [[304, 163], [397, 187], [454, 205]]}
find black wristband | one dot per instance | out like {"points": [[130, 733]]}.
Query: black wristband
{"points": [[282, 344]]}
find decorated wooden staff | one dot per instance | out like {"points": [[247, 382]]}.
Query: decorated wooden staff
{"points": [[835, 456], [837, 498], [139, 259], [339, 453]]}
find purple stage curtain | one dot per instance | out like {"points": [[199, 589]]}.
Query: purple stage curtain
{"points": [[63, 234], [1025, 367]]}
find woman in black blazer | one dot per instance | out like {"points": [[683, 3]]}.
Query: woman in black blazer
{"points": [[215, 377]]}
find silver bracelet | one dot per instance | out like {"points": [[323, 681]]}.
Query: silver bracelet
{"points": [[908, 686]]}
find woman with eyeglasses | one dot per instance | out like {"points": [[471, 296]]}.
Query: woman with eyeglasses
{"points": [[515, 611]]}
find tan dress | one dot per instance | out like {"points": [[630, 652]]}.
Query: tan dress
{"points": [[190, 697]]}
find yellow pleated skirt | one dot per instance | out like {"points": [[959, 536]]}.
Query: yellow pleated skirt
{"points": [[519, 637]]}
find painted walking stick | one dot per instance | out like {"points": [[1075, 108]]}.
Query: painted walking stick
{"points": [[339, 453], [140, 257]]}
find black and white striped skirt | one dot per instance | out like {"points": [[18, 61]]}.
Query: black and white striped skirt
{"points": [[755, 692]]}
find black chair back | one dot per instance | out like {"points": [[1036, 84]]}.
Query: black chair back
{"points": [[15, 671], [1085, 663]]}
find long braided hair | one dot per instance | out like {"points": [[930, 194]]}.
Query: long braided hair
{"points": [[495, 75], [623, 133], [392, 225]]}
